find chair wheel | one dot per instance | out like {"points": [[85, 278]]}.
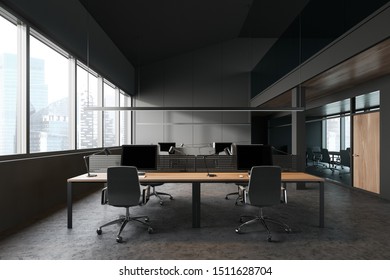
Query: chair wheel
{"points": [[226, 198], [119, 239], [238, 230], [161, 203], [269, 239], [150, 230], [171, 198], [99, 231], [288, 230], [146, 219]]}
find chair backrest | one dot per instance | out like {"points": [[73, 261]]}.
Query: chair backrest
{"points": [[264, 185], [325, 155], [345, 158], [123, 188]]}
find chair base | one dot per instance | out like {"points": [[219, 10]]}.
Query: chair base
{"points": [[158, 194], [263, 220], [123, 220], [238, 199], [238, 193]]}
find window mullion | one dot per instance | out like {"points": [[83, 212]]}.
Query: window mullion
{"points": [[23, 92], [100, 115], [72, 102]]}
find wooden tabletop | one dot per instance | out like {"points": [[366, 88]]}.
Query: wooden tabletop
{"points": [[187, 177]]}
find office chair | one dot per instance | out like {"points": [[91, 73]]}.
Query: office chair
{"points": [[327, 160], [158, 194], [316, 155], [238, 193], [169, 148], [345, 161], [263, 191], [123, 190]]}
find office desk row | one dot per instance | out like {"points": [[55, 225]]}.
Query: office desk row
{"points": [[196, 179]]}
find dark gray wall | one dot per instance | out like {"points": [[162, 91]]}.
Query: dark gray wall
{"points": [[359, 38], [33, 187], [385, 138], [67, 23]]}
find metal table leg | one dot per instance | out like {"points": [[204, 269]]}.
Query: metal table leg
{"points": [[69, 204], [195, 204]]}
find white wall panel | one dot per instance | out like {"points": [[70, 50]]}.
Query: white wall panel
{"points": [[148, 134], [236, 133], [216, 76], [207, 134]]}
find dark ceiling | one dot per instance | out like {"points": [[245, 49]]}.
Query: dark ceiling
{"points": [[151, 30]]}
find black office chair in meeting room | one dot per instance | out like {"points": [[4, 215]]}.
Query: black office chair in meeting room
{"points": [[345, 162], [263, 191], [327, 161], [124, 190]]}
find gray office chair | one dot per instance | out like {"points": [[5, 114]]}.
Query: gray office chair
{"points": [[263, 191], [123, 190]]}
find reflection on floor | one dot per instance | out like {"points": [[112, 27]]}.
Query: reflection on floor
{"points": [[337, 174]]}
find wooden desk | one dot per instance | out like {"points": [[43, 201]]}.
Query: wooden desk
{"points": [[196, 178]]}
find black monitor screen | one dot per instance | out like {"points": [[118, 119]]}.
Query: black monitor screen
{"points": [[253, 155], [220, 146], [144, 157], [165, 146]]}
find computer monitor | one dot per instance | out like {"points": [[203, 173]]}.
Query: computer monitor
{"points": [[144, 157], [253, 155], [165, 146], [220, 146]]}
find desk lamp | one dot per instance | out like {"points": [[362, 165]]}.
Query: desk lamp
{"points": [[106, 152]]}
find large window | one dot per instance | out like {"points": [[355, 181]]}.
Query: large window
{"points": [[9, 83], [87, 120], [44, 95], [337, 133], [346, 140], [49, 99], [333, 134]]}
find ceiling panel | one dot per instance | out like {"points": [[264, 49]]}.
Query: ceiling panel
{"points": [[148, 31]]}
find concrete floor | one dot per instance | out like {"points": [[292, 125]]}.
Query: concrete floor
{"points": [[356, 227]]}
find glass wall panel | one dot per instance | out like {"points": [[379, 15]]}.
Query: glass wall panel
{"points": [[9, 81], [87, 121]]}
